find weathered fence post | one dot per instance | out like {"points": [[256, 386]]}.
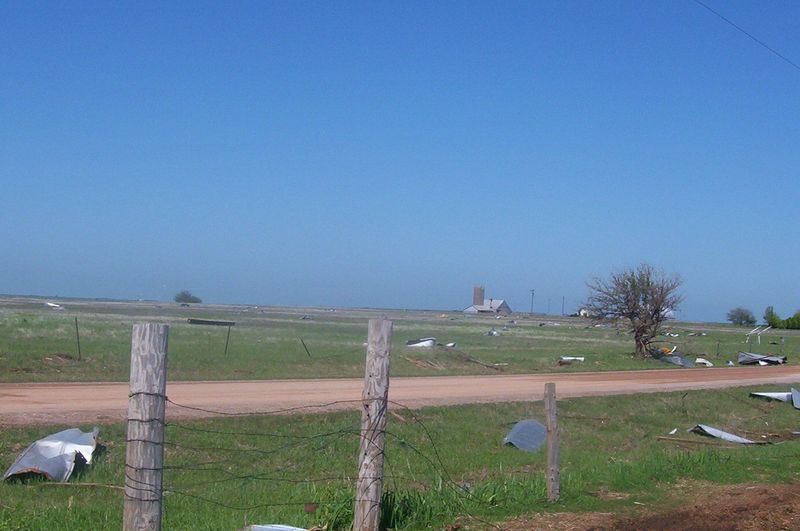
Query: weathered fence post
{"points": [[553, 469], [373, 423], [144, 459], [78, 337]]}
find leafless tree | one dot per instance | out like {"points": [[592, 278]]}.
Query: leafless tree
{"points": [[643, 297]]}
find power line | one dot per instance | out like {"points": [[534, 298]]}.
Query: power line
{"points": [[741, 29]]}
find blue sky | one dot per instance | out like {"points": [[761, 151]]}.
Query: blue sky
{"points": [[396, 154]]}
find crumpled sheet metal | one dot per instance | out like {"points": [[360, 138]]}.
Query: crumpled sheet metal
{"points": [[795, 398], [678, 360], [702, 429], [54, 456], [274, 527], [748, 358], [527, 435], [783, 397]]}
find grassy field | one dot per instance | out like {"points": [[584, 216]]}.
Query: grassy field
{"points": [[444, 465], [39, 344]]}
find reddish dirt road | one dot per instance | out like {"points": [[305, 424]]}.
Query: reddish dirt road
{"points": [[81, 403]]}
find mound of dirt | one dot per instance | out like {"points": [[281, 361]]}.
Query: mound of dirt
{"points": [[734, 508], [715, 508]]}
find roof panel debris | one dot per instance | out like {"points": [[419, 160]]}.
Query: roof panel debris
{"points": [[423, 342], [527, 435], [749, 358], [708, 431], [54, 456]]}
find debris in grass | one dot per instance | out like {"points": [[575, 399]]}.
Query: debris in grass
{"points": [[55, 456], [702, 429], [568, 360], [306, 317], [795, 398], [274, 527], [674, 431], [729, 363], [704, 362], [423, 342], [451, 345], [493, 332], [783, 397], [668, 355], [424, 364], [527, 435], [749, 358]]}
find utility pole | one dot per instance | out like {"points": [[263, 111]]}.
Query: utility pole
{"points": [[533, 292], [562, 305]]}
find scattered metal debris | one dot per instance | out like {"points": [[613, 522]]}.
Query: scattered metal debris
{"points": [[306, 317], [783, 397], [493, 332], [673, 432], [569, 360], [749, 358], [673, 356], [704, 362], [708, 431], [423, 342], [54, 306], [450, 345], [729, 363], [527, 435], [54, 456], [274, 527], [795, 398]]}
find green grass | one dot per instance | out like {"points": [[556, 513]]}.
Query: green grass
{"points": [[449, 466], [37, 344]]}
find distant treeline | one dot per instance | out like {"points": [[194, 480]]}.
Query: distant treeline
{"points": [[774, 320]]}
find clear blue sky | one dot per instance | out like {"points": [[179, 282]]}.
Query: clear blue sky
{"points": [[394, 154]]}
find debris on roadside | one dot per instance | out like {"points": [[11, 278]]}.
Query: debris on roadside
{"points": [[569, 360], [704, 362], [273, 527], [55, 456], [783, 397], [672, 356], [527, 435], [749, 358], [708, 431], [423, 342]]}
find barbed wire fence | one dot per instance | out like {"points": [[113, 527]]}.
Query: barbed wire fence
{"points": [[218, 469]]}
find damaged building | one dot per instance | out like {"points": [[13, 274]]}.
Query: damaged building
{"points": [[480, 304]]}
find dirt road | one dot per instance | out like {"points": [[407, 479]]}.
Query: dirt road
{"points": [[82, 403]]}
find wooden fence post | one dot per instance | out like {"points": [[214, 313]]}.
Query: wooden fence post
{"points": [[373, 423], [553, 468], [144, 459]]}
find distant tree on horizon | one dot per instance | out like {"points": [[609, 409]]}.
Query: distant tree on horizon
{"points": [[644, 297], [186, 297], [741, 316]]}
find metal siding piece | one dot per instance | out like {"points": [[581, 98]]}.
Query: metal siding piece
{"points": [[54, 455], [748, 358], [702, 429], [795, 398], [527, 435], [783, 397]]}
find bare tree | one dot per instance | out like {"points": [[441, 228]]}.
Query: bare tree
{"points": [[644, 297]]}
